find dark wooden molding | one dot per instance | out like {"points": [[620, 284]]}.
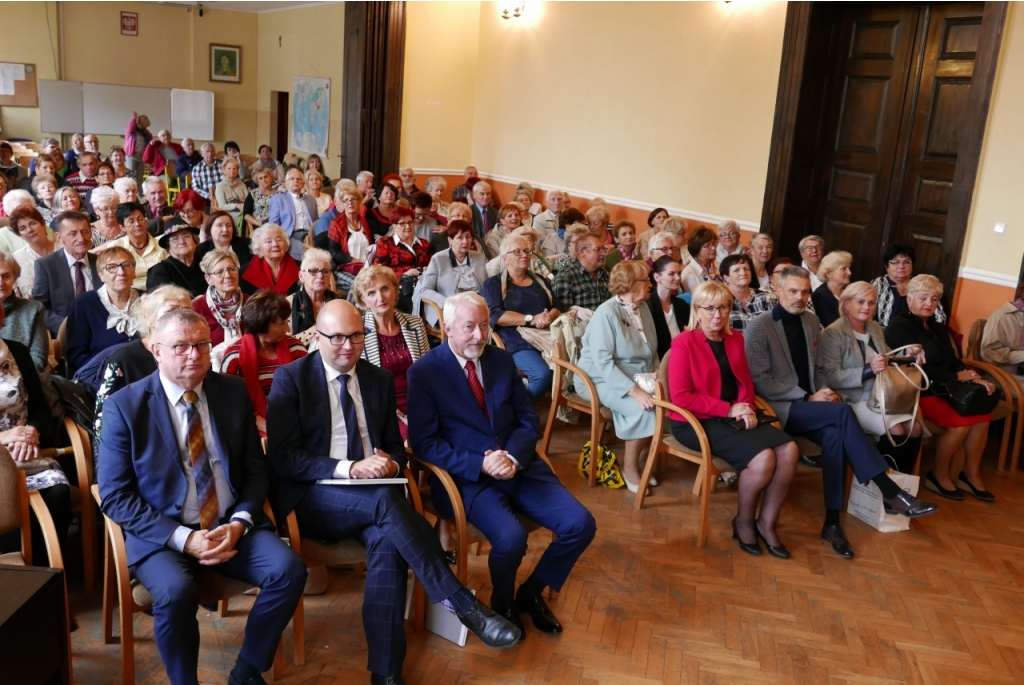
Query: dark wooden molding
{"points": [[787, 101]]}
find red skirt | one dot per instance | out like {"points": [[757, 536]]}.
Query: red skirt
{"points": [[938, 410]]}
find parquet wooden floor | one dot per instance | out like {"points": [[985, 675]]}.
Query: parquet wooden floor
{"points": [[941, 603]]}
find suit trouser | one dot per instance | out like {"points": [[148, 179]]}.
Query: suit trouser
{"points": [[297, 245], [262, 560], [493, 511], [396, 538], [834, 426]]}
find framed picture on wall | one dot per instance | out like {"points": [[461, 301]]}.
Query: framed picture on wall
{"points": [[225, 63]]}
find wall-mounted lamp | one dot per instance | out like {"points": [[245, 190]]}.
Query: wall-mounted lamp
{"points": [[513, 9]]}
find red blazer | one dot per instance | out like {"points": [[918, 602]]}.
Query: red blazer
{"points": [[695, 381]]}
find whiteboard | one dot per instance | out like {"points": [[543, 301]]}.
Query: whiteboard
{"points": [[192, 114], [108, 109], [60, 107]]}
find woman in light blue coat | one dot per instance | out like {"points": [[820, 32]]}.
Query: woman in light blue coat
{"points": [[619, 343]]}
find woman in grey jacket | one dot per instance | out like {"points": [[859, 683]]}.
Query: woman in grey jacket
{"points": [[451, 271], [853, 352]]}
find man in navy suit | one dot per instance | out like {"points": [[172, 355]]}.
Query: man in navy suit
{"points": [[294, 212], [68, 272], [485, 216], [469, 414], [186, 479], [332, 415]]}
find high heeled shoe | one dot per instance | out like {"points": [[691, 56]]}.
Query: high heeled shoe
{"points": [[778, 551], [750, 548], [964, 482], [932, 483], [633, 487]]}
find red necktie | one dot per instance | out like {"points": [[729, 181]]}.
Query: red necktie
{"points": [[79, 279], [487, 220], [476, 388]]}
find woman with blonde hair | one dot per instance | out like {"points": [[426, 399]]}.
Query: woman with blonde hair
{"points": [[598, 219], [709, 377], [231, 192], [221, 305], [510, 217], [760, 252], [918, 326], [834, 272], [256, 209], [314, 182], [620, 343], [435, 187], [348, 236]]}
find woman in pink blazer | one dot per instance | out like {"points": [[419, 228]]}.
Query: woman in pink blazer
{"points": [[708, 376]]}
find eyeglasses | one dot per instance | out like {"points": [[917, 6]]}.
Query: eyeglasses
{"points": [[730, 234], [318, 272], [520, 252], [404, 222], [189, 212], [339, 339], [901, 262], [721, 309], [226, 270], [665, 249], [811, 248], [185, 349], [595, 249], [124, 266]]}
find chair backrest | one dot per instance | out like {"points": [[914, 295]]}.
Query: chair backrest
{"points": [[663, 371], [974, 339], [62, 337], [11, 511]]}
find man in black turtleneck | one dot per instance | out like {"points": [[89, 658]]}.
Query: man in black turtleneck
{"points": [[784, 356]]}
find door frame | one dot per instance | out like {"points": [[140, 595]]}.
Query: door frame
{"points": [[972, 134]]}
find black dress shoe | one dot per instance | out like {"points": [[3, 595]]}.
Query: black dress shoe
{"points": [[255, 680], [837, 538], [966, 484], [495, 631], [508, 610], [543, 619], [751, 547], [813, 462], [908, 505], [932, 483], [386, 679], [451, 556], [778, 551]]}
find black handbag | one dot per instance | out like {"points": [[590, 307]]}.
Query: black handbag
{"points": [[967, 398]]}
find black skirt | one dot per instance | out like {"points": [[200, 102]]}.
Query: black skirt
{"points": [[736, 447]]}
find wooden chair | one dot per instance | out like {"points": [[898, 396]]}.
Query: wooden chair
{"points": [[465, 532], [665, 443], [561, 397], [59, 346], [1012, 391], [15, 502], [81, 502], [133, 597], [496, 340], [439, 331]]}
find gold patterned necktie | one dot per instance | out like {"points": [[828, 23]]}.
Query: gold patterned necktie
{"points": [[206, 491]]}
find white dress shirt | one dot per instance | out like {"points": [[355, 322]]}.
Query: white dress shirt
{"points": [[339, 431], [225, 495], [815, 281], [86, 271], [302, 219], [480, 377]]}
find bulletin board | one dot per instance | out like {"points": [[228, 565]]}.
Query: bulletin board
{"points": [[18, 85]]}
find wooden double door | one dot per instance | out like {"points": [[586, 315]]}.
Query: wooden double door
{"points": [[877, 150]]}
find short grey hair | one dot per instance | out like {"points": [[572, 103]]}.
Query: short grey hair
{"points": [[150, 180], [7, 260], [185, 317], [658, 240], [315, 254], [761, 238], [435, 181], [214, 257], [808, 238], [47, 142], [551, 192], [162, 131], [256, 242], [508, 241], [122, 184], [407, 168], [363, 175], [146, 307], [346, 187], [15, 198], [481, 185], [208, 145], [793, 271], [452, 303], [103, 194]]}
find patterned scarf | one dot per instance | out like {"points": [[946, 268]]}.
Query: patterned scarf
{"points": [[13, 405], [118, 318], [225, 312]]}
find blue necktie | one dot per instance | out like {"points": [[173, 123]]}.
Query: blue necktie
{"points": [[348, 410]]}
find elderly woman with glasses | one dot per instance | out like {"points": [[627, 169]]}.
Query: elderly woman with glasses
{"points": [[918, 326], [835, 273], [703, 248], [404, 253], [221, 306], [812, 249], [457, 269], [316, 276], [708, 376], [394, 340], [620, 343], [892, 287], [728, 240], [44, 187], [106, 227], [99, 319], [219, 228], [134, 361], [598, 219], [518, 297], [348, 237], [190, 206], [663, 245], [263, 349], [181, 268], [271, 268]]}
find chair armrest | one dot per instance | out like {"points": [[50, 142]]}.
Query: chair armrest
{"points": [[1002, 380], [294, 541], [761, 404], [580, 374], [414, 491], [82, 448], [439, 331], [705, 446], [461, 525], [35, 500]]}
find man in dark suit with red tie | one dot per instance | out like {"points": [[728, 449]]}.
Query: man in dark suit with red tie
{"points": [[470, 415], [68, 272]]}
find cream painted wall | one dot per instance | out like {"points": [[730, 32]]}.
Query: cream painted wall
{"points": [[311, 44], [442, 42], [997, 195], [26, 39]]}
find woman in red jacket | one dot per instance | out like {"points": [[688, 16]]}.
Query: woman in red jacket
{"points": [[708, 376], [162, 151]]}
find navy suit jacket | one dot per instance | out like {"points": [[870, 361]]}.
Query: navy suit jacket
{"points": [[55, 289], [448, 428], [282, 211], [299, 425], [140, 470]]}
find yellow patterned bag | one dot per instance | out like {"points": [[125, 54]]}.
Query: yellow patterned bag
{"points": [[608, 473]]}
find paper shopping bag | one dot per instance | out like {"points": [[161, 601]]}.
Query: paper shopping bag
{"points": [[866, 503]]}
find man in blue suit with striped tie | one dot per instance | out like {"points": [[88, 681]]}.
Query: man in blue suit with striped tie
{"points": [[185, 478], [470, 415]]}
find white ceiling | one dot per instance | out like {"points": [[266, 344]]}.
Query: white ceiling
{"points": [[254, 7]]}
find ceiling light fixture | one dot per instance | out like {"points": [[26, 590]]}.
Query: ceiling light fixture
{"points": [[513, 9]]}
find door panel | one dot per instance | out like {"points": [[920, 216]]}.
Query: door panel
{"points": [[867, 112], [921, 208]]}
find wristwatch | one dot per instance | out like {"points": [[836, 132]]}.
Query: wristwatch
{"points": [[528, 318], [245, 524]]}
